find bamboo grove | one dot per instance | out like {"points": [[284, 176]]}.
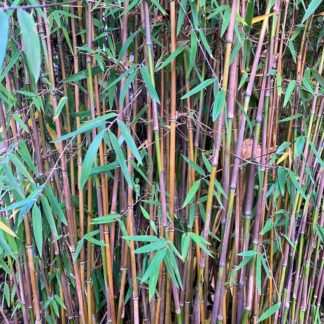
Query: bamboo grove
{"points": [[161, 161]]}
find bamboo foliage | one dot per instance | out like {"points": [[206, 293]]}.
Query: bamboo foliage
{"points": [[161, 161]]}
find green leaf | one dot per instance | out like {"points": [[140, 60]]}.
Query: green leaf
{"points": [[145, 213], [120, 158], [191, 193], [4, 27], [31, 42], [38, 228], [87, 126], [56, 207], [247, 253], [157, 4], [316, 153], [149, 85], [258, 273], [226, 20], [141, 238], [244, 262], [104, 168], [129, 40], [20, 122], [185, 246], [170, 269], [129, 140], [290, 242], [59, 301], [20, 167], [82, 75], [152, 284], [198, 88], [311, 9], [126, 86], [113, 81], [290, 118], [49, 216], [192, 52], [273, 309], [292, 50], [267, 226], [60, 106], [105, 219], [195, 166], [154, 266], [205, 43], [8, 67], [95, 241], [182, 12], [151, 247], [249, 15], [218, 104], [201, 242], [89, 159], [217, 11], [299, 145], [289, 91], [77, 250], [172, 56], [296, 184]]}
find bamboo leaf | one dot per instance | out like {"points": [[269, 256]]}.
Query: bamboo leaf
{"points": [[268, 313], [105, 219], [195, 166], [247, 253], [182, 12], [87, 126], [267, 226], [31, 42], [290, 118], [185, 246], [129, 140], [7, 229], [4, 27], [145, 213], [120, 158], [249, 15], [198, 88], [38, 228], [154, 265], [49, 216], [126, 87], [89, 159], [217, 11], [258, 273], [311, 9], [296, 184], [261, 18], [205, 42], [200, 242], [82, 75], [226, 20], [129, 40], [149, 85], [141, 238], [170, 58], [191, 193], [151, 247], [152, 284], [157, 5], [60, 106], [218, 104], [289, 91]]}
